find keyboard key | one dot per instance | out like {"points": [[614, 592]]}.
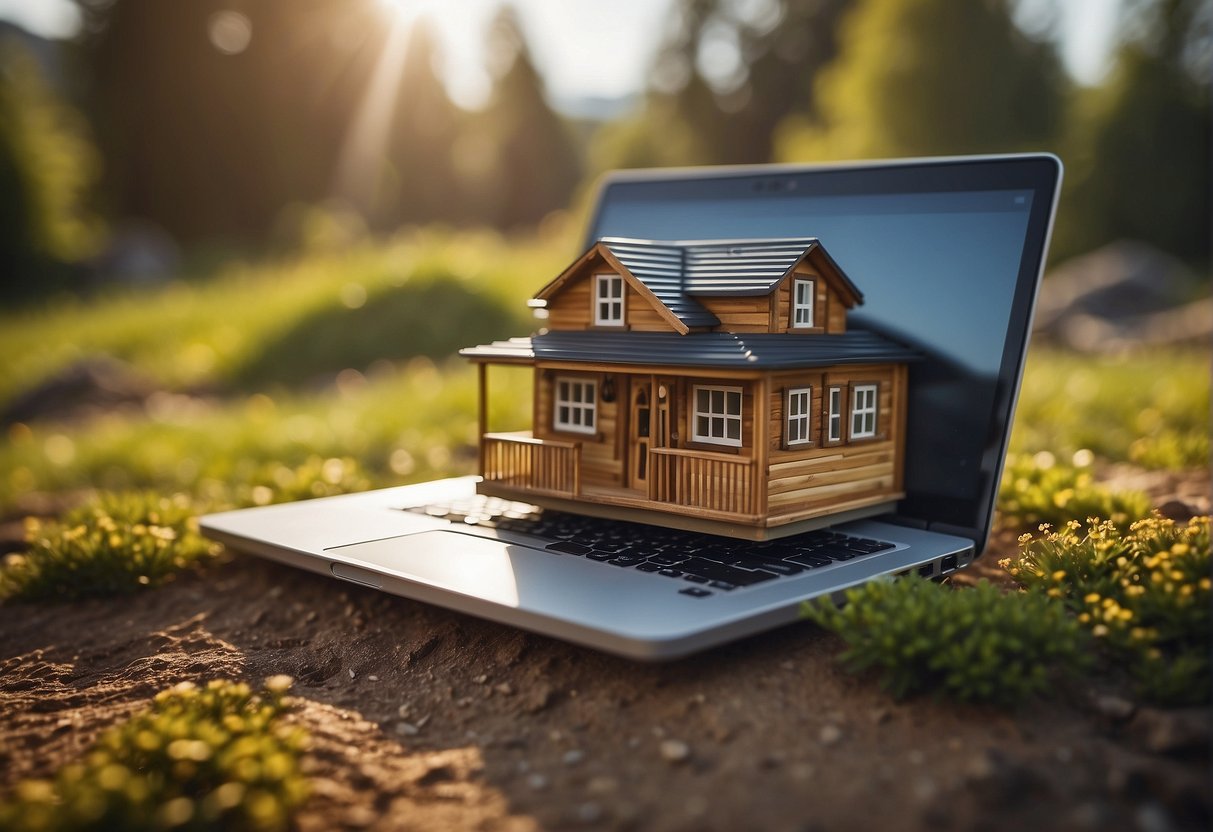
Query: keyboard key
{"points": [[810, 561], [647, 567], [723, 585], [695, 579], [625, 561], [599, 556], [694, 592], [670, 573]]}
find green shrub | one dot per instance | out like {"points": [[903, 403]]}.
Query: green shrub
{"points": [[1143, 592], [114, 544], [1037, 489], [975, 645], [218, 757]]}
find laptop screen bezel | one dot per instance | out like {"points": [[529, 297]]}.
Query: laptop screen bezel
{"points": [[1038, 172]]}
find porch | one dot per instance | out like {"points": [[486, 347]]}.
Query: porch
{"points": [[708, 485]]}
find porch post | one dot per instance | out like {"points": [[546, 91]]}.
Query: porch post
{"points": [[482, 411]]}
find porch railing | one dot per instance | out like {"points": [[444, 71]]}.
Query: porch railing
{"points": [[711, 481], [522, 461]]}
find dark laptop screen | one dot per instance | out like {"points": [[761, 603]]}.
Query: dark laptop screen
{"points": [[946, 255]]}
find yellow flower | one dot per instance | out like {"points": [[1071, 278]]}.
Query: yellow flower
{"points": [[1091, 598], [1059, 575], [1099, 631]]}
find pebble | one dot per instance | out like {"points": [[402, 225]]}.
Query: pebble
{"points": [[675, 751], [408, 729], [481, 679], [1171, 732], [788, 665], [373, 677], [537, 782], [602, 785], [830, 734], [505, 689], [351, 673], [589, 813], [573, 756], [1113, 707], [403, 711]]}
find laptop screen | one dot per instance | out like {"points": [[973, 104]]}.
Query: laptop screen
{"points": [[947, 256]]}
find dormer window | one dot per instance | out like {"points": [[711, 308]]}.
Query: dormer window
{"points": [[802, 303], [608, 300]]}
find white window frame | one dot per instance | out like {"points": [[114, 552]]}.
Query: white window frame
{"points": [[722, 417], [804, 308], [605, 300], [578, 397], [802, 418], [865, 402], [833, 426]]}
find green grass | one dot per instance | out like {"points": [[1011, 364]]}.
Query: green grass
{"points": [[114, 544], [1143, 592], [970, 644], [218, 757], [293, 320], [1039, 489], [1151, 409]]}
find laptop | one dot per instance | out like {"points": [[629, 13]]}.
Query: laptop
{"points": [[949, 254]]}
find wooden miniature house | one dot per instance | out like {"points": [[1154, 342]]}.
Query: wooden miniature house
{"points": [[710, 385]]}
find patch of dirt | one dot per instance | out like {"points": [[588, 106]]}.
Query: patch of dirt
{"points": [[426, 719]]}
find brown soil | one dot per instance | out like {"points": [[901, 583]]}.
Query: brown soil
{"points": [[426, 719]]}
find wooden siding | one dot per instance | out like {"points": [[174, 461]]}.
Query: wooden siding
{"points": [[740, 314], [830, 313], [817, 479], [573, 306], [601, 453]]}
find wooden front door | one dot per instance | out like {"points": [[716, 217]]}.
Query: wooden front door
{"points": [[640, 432]]}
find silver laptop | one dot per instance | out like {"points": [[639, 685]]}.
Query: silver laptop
{"points": [[949, 253]]}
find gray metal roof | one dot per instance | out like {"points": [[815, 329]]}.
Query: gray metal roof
{"points": [[676, 271], [760, 350], [659, 266]]}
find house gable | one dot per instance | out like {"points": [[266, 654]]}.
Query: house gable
{"points": [[832, 294], [570, 298]]}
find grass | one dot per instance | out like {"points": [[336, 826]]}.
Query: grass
{"points": [[1038, 489], [972, 645], [217, 757], [1151, 409], [1143, 592], [291, 320], [114, 544]]}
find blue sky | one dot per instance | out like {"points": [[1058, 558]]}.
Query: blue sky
{"points": [[591, 48]]}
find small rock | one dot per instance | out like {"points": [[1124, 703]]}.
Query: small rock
{"points": [[403, 711], [537, 782], [675, 751], [879, 716], [830, 734], [351, 673], [925, 790], [602, 785], [1113, 707], [421, 722], [481, 679], [1152, 817], [788, 665], [589, 813], [573, 756], [463, 701], [408, 729], [505, 689], [373, 677], [1171, 732]]}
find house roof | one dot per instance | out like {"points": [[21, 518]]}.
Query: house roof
{"points": [[758, 350], [676, 272]]}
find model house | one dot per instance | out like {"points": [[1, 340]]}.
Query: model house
{"points": [[708, 384]]}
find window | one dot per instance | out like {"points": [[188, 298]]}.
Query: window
{"points": [[718, 415], [576, 405], [863, 411], [797, 423], [834, 416], [608, 300], [802, 303]]}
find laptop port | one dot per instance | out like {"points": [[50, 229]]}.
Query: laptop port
{"points": [[949, 564], [926, 570]]}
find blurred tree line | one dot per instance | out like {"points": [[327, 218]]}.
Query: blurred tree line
{"points": [[230, 119]]}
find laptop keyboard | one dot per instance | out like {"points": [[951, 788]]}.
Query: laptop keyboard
{"points": [[707, 563]]}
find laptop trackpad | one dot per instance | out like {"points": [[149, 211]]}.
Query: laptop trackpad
{"points": [[466, 564]]}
